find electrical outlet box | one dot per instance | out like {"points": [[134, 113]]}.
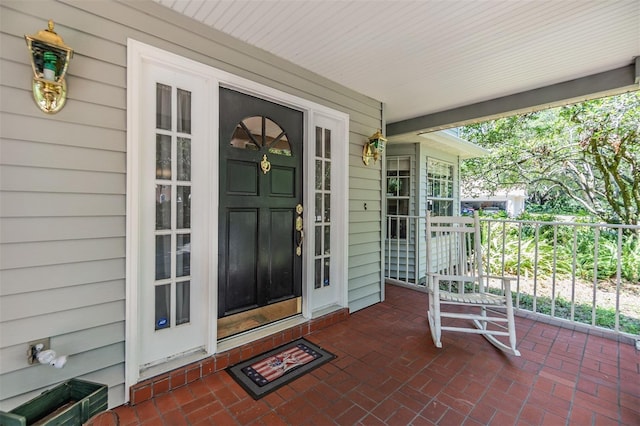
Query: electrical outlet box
{"points": [[32, 351]]}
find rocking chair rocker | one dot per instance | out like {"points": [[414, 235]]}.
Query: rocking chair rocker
{"points": [[459, 288]]}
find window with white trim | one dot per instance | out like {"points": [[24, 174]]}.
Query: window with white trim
{"points": [[398, 195], [439, 187]]}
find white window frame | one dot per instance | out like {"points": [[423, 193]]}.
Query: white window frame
{"points": [[431, 200], [395, 198]]}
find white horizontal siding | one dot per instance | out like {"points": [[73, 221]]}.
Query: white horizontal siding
{"points": [[12, 357], [58, 323], [33, 304], [34, 179], [38, 154], [30, 279], [33, 229], [42, 204], [22, 255]]}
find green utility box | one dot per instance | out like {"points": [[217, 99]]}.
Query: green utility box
{"points": [[70, 403]]}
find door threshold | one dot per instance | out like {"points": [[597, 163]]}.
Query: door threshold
{"points": [[238, 340]]}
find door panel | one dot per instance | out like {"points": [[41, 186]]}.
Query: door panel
{"points": [[242, 243], [282, 181], [282, 245], [242, 178], [261, 185]]}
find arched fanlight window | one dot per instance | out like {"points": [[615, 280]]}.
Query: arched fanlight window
{"points": [[258, 133]]}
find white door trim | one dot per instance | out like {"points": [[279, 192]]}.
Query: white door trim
{"points": [[139, 53]]}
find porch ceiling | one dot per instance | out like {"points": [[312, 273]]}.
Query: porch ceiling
{"points": [[424, 57]]}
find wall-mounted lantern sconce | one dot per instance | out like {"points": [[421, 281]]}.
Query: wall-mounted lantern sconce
{"points": [[374, 148], [49, 59]]}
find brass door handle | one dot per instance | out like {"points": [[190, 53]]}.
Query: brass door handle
{"points": [[299, 230]]}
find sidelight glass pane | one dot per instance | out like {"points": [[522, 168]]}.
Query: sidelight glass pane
{"points": [[326, 282], [317, 283], [327, 207], [318, 142], [183, 302], [327, 143], [163, 156], [319, 175], [183, 207], [327, 239], [163, 257], [318, 240], [318, 206], [327, 176], [183, 255], [184, 159], [163, 306], [184, 111], [163, 106], [163, 206]]}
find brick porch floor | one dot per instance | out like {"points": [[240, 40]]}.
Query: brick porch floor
{"points": [[389, 372]]}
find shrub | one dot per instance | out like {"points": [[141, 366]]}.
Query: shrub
{"points": [[605, 317]]}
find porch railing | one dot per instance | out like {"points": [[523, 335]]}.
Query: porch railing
{"points": [[583, 273]]}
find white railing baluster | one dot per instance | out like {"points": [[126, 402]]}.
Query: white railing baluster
{"points": [[518, 267], [553, 274], [535, 267], [504, 244], [618, 279], [595, 274], [573, 273]]}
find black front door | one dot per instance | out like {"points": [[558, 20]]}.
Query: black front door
{"points": [[260, 266]]}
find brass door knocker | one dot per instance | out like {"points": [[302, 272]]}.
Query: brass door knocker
{"points": [[265, 165]]}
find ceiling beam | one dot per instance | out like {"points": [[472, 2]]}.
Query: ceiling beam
{"points": [[606, 83]]}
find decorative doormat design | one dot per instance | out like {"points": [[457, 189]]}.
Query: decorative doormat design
{"points": [[271, 370]]}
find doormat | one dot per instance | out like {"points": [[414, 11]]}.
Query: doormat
{"points": [[271, 370]]}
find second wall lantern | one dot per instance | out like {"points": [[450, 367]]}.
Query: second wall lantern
{"points": [[49, 60], [374, 147]]}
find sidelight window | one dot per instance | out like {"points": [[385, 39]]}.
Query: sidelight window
{"points": [[322, 228], [173, 207]]}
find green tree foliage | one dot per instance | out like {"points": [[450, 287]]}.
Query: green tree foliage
{"points": [[585, 156]]}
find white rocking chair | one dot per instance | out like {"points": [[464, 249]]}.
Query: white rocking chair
{"points": [[455, 277]]}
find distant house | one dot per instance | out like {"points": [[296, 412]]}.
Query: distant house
{"points": [[513, 202]]}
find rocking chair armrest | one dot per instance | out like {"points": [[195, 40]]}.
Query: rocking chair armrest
{"points": [[436, 278], [454, 277], [506, 281]]}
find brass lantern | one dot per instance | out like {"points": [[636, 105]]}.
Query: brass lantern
{"points": [[374, 147], [49, 59]]}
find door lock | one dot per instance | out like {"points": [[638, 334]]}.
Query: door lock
{"points": [[299, 230]]}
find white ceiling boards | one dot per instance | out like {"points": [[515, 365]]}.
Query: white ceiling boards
{"points": [[423, 57]]}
